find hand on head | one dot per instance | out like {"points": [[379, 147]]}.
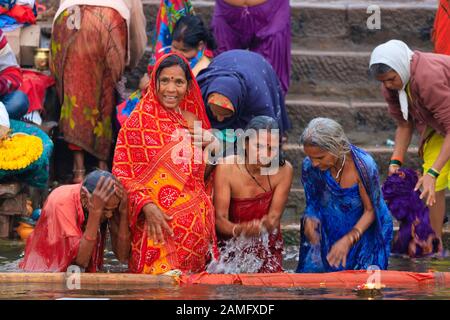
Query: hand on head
{"points": [[103, 192]]}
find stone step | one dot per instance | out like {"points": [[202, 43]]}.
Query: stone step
{"points": [[322, 69], [340, 24], [318, 73], [354, 115]]}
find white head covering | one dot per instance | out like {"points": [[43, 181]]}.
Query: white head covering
{"points": [[4, 121], [4, 117], [397, 55]]}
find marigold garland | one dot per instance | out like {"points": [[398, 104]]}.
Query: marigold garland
{"points": [[19, 151]]}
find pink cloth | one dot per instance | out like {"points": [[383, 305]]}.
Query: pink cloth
{"points": [[53, 245]]}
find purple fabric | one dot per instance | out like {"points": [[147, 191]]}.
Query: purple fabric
{"points": [[265, 29], [405, 205]]}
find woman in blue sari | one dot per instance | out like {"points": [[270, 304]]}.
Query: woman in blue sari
{"points": [[346, 224]]}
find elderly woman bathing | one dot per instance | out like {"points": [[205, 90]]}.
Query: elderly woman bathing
{"points": [[346, 223]]}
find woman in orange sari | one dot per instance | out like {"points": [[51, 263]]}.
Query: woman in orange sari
{"points": [[171, 214], [441, 32]]}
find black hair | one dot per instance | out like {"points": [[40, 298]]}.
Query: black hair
{"points": [[190, 30], [174, 60], [261, 123], [266, 123], [91, 180], [379, 68]]}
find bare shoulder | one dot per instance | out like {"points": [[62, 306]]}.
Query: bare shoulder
{"points": [[286, 171], [226, 166], [283, 175]]}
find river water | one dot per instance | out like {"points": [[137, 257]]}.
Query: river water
{"points": [[11, 252]]}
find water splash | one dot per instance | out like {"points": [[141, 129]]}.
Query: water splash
{"points": [[245, 255]]}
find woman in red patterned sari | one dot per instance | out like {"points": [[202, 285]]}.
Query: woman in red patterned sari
{"points": [[171, 214]]}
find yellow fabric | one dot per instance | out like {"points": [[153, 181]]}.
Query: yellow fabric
{"points": [[431, 151]]}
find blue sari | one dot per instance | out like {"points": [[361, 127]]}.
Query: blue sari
{"points": [[338, 210], [251, 85]]}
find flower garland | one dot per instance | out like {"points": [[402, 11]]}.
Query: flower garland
{"points": [[19, 151]]}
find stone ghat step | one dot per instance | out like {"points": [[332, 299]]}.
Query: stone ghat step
{"points": [[313, 67], [335, 25], [352, 114], [294, 153], [339, 24], [317, 72]]}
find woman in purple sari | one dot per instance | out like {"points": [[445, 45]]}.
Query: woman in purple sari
{"points": [[262, 26], [346, 224]]}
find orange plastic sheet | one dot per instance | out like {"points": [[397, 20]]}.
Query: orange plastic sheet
{"points": [[343, 279]]}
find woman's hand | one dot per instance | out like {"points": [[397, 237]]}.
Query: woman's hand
{"points": [[393, 169], [311, 233], [251, 228], [429, 186], [144, 82], [338, 253], [157, 223], [270, 223], [203, 138], [101, 195]]}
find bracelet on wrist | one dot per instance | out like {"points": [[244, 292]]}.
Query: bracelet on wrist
{"points": [[355, 235], [89, 238], [395, 162], [433, 172], [234, 231]]}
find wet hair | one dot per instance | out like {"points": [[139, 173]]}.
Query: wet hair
{"points": [[174, 60], [190, 30], [91, 180], [262, 122], [379, 68], [326, 134], [266, 123]]}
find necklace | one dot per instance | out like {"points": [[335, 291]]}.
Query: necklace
{"points": [[254, 179], [342, 167]]}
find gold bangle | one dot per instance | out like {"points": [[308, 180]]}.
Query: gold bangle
{"points": [[89, 238], [233, 232], [359, 233]]}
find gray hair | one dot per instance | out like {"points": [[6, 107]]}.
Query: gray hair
{"points": [[377, 69], [326, 134]]}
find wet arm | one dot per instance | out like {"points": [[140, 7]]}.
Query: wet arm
{"points": [[120, 236], [222, 196], [280, 197], [89, 239], [368, 216], [403, 136]]}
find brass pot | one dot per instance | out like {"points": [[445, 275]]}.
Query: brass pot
{"points": [[41, 59]]}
